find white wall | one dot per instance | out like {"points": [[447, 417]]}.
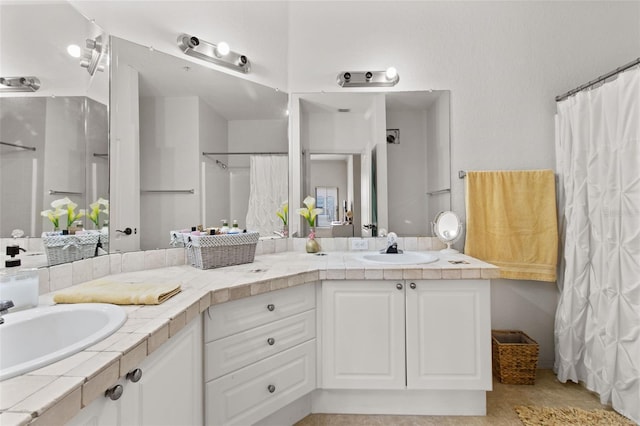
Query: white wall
{"points": [[22, 120], [438, 157], [214, 135], [65, 151], [503, 61], [407, 173], [169, 160]]}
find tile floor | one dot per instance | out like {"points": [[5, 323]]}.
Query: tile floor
{"points": [[547, 391]]}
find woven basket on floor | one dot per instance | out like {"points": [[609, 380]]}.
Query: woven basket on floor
{"points": [[215, 251], [515, 357], [69, 248]]}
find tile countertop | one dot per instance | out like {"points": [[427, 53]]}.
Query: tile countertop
{"points": [[55, 393]]}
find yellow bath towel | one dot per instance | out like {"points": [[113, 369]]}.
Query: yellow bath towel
{"points": [[118, 293], [512, 223]]}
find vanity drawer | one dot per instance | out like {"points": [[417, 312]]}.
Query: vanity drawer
{"points": [[242, 314], [233, 352], [250, 394]]}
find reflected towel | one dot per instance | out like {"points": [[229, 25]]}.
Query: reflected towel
{"points": [[512, 223], [118, 293]]}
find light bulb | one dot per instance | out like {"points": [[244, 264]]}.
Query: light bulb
{"points": [[74, 50], [223, 48], [391, 73]]}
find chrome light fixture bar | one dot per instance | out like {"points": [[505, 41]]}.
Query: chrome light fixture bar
{"points": [[92, 55], [219, 54], [19, 84], [386, 78]]}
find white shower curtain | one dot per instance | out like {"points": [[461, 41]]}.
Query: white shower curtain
{"points": [[597, 330], [269, 184]]}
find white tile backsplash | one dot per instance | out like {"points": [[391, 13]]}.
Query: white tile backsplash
{"points": [[154, 259], [101, 266], [60, 276], [133, 261], [175, 256], [115, 263], [82, 271]]}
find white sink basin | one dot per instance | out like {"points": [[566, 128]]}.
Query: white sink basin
{"points": [[37, 337], [406, 258]]}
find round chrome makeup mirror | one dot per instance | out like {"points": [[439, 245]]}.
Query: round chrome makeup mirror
{"points": [[447, 226]]}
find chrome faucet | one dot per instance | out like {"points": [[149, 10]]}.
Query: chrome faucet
{"points": [[5, 305], [392, 244]]}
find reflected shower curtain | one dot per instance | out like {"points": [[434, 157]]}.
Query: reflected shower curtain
{"points": [[597, 330], [268, 177]]}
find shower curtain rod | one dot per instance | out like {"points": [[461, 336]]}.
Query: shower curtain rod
{"points": [[245, 153], [598, 80]]}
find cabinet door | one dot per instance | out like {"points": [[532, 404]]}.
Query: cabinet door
{"points": [[363, 335], [171, 389], [448, 334]]}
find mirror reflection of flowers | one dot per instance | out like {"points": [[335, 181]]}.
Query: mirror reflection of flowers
{"points": [[283, 213], [310, 213], [70, 207], [54, 215], [97, 207]]}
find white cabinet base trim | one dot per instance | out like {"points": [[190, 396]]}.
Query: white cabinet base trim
{"points": [[407, 402]]}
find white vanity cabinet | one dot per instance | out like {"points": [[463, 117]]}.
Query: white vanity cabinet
{"points": [[169, 391], [422, 334], [260, 355]]}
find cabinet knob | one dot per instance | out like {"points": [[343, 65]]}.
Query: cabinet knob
{"points": [[271, 341], [114, 393], [134, 375], [271, 307], [399, 286], [271, 388], [413, 286]]}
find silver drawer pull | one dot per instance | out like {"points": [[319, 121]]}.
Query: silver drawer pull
{"points": [[399, 286], [134, 375], [271, 307], [114, 393], [413, 286], [271, 341], [271, 388]]}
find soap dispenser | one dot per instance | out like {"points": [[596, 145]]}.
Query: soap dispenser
{"points": [[225, 226], [20, 285], [235, 229]]}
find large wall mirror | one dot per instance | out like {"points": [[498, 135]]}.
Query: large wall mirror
{"points": [[54, 139], [191, 146], [388, 155]]}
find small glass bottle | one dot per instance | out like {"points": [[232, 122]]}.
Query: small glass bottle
{"points": [[225, 226], [235, 229]]}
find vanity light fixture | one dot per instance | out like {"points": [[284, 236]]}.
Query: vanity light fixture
{"points": [[387, 78], [19, 84], [74, 50], [219, 54], [93, 55]]}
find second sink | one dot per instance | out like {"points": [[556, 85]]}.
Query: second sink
{"points": [[406, 258]]}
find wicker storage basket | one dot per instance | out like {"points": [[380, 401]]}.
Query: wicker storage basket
{"points": [[215, 251], [181, 239], [515, 357], [69, 248], [176, 238]]}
